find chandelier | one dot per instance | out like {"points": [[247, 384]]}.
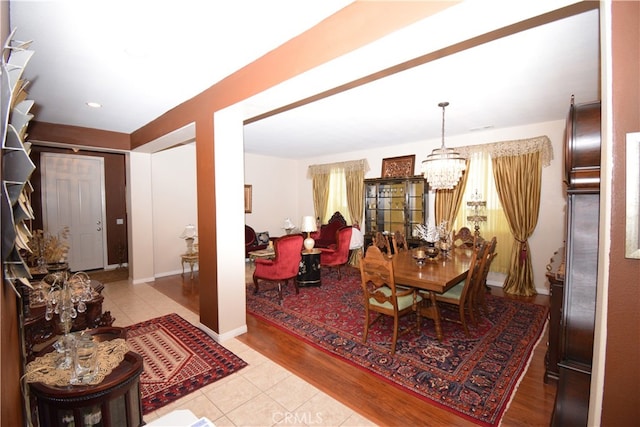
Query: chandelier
{"points": [[444, 166]]}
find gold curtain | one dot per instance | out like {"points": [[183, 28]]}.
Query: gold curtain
{"points": [[355, 194], [354, 180], [518, 181], [320, 194], [447, 202]]}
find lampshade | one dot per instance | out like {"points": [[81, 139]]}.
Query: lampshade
{"points": [[444, 166], [308, 225], [189, 232]]}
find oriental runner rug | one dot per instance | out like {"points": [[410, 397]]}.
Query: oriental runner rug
{"points": [[472, 377], [178, 359]]}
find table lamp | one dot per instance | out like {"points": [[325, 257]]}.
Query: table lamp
{"points": [[189, 235], [308, 226]]}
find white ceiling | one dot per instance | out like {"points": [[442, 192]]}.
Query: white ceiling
{"points": [[157, 61]]}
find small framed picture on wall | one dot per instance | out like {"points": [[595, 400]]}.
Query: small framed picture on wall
{"points": [[247, 199]]}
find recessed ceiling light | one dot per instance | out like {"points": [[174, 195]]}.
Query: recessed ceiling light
{"points": [[94, 104]]}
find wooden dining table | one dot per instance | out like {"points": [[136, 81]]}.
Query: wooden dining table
{"points": [[436, 276]]}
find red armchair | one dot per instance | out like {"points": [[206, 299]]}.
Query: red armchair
{"points": [[326, 236], [337, 255], [284, 266]]}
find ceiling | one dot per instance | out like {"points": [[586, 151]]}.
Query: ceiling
{"points": [[524, 78]]}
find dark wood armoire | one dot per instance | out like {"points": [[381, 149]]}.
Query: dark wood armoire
{"points": [[577, 314]]}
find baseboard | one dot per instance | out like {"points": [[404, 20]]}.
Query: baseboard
{"points": [[220, 338]]}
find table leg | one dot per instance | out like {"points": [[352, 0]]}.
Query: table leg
{"points": [[431, 311], [182, 262]]}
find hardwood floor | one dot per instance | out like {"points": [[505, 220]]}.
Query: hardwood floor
{"points": [[373, 398]]}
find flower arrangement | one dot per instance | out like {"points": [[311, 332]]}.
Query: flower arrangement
{"points": [[50, 248], [431, 233]]}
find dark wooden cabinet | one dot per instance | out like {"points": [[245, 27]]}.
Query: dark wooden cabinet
{"points": [[555, 276], [577, 320]]}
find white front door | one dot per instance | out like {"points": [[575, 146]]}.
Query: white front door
{"points": [[73, 195]]}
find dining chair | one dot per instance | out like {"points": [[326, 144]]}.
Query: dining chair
{"points": [[479, 299], [381, 295], [381, 241], [463, 238], [337, 255], [462, 294], [399, 242], [284, 266]]}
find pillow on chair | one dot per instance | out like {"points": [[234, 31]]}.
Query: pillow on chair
{"points": [[262, 238]]}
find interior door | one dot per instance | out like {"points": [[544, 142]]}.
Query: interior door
{"points": [[73, 195]]}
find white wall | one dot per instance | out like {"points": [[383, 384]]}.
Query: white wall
{"points": [[276, 189], [174, 205]]}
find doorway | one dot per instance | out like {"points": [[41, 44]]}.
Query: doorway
{"points": [[73, 195]]}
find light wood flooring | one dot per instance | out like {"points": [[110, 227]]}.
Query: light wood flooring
{"points": [[532, 404]]}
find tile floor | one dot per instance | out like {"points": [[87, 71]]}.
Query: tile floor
{"points": [[261, 394]]}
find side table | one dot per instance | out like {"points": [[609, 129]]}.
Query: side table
{"points": [[267, 253], [309, 272], [191, 259], [115, 402]]}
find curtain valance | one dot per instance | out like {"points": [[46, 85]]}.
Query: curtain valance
{"points": [[513, 148], [350, 166]]}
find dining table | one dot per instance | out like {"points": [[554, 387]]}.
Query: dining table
{"points": [[433, 275]]}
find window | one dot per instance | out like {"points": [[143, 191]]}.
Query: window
{"points": [[481, 180], [337, 196]]}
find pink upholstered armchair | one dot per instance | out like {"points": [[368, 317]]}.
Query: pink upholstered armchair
{"points": [[284, 266], [337, 254]]}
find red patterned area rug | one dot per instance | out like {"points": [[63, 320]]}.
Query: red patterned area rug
{"points": [[472, 377], [178, 359]]}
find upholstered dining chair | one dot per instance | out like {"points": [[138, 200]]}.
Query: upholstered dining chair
{"points": [[479, 299], [381, 294], [284, 266], [337, 255], [462, 294]]}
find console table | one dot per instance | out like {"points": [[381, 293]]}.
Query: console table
{"points": [[115, 402], [309, 271]]}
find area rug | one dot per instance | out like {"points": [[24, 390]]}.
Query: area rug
{"points": [[471, 377], [109, 276], [178, 359]]}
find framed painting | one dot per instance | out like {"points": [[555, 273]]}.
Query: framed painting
{"points": [[247, 199], [398, 167]]}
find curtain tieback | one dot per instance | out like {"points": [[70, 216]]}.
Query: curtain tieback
{"points": [[523, 251]]}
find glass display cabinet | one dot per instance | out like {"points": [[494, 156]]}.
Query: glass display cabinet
{"points": [[395, 204]]}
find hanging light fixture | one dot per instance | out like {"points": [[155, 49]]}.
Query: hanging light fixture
{"points": [[444, 166]]}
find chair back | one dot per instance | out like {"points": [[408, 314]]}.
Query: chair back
{"points": [[249, 235], [381, 242], [288, 254], [399, 242], [463, 238], [376, 272], [475, 273], [343, 240]]}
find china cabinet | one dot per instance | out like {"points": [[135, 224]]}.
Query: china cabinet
{"points": [[577, 314], [395, 204]]}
